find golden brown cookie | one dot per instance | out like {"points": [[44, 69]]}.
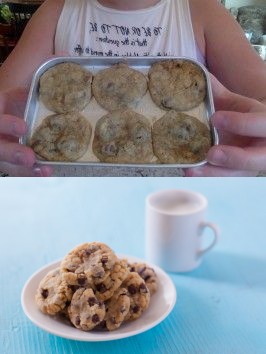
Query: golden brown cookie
{"points": [[180, 138], [139, 295], [117, 309], [87, 263], [119, 87], [105, 289], [62, 137], [147, 274], [123, 137], [53, 293], [66, 88], [85, 311], [177, 84]]}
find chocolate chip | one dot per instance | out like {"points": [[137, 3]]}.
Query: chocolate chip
{"points": [[132, 269], [77, 321], [135, 309], [112, 320], [143, 288], [132, 289], [95, 318], [141, 270], [81, 281], [92, 301], [68, 303], [101, 288], [45, 293], [147, 277], [104, 259]]}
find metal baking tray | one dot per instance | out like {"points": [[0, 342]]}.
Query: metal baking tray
{"points": [[35, 110]]}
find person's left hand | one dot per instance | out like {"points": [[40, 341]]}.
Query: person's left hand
{"points": [[241, 125]]}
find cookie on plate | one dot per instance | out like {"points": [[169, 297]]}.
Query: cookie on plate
{"points": [[85, 311], [138, 293], [66, 88], [117, 309], [105, 289], [123, 136], [147, 274], [180, 138], [119, 87], [62, 137], [177, 84], [53, 293], [88, 263]]}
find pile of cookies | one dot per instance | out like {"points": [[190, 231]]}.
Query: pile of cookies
{"points": [[123, 135], [94, 289]]}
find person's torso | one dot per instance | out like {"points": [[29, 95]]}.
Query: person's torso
{"points": [[87, 28]]}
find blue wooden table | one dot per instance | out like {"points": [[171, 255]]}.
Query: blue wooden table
{"points": [[221, 306]]}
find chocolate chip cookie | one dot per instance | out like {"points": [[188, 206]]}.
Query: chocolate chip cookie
{"points": [[177, 84], [53, 293], [123, 137], [119, 87], [104, 290], [88, 263], [66, 88], [180, 138], [117, 309], [62, 137], [147, 274], [85, 311], [139, 295]]}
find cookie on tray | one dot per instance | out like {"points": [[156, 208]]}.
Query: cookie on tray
{"points": [[66, 88], [53, 293], [88, 263], [139, 295], [62, 137], [147, 274], [180, 138], [85, 310], [123, 136], [119, 87], [117, 309], [177, 84]]}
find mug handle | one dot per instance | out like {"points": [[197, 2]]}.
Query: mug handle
{"points": [[215, 230]]}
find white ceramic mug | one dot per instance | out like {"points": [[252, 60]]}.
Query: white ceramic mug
{"points": [[174, 228]]}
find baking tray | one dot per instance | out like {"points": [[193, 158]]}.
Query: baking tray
{"points": [[36, 111]]}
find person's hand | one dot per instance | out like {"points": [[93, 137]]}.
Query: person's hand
{"points": [[241, 125], [16, 159]]}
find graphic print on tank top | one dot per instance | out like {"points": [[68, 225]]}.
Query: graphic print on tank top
{"points": [[86, 28]]}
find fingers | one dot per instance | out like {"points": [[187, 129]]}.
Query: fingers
{"points": [[16, 154], [245, 124], [36, 171], [214, 171], [10, 125], [251, 158]]}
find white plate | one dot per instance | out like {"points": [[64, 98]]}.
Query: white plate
{"points": [[162, 303]]}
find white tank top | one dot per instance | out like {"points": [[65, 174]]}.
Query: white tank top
{"points": [[87, 28]]}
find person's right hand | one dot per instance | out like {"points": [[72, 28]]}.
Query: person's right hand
{"points": [[16, 159]]}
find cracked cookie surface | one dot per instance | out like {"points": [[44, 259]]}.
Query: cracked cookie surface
{"points": [[180, 138], [53, 293], [66, 88], [62, 137], [85, 310], [177, 84], [123, 137], [87, 263], [119, 87]]}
